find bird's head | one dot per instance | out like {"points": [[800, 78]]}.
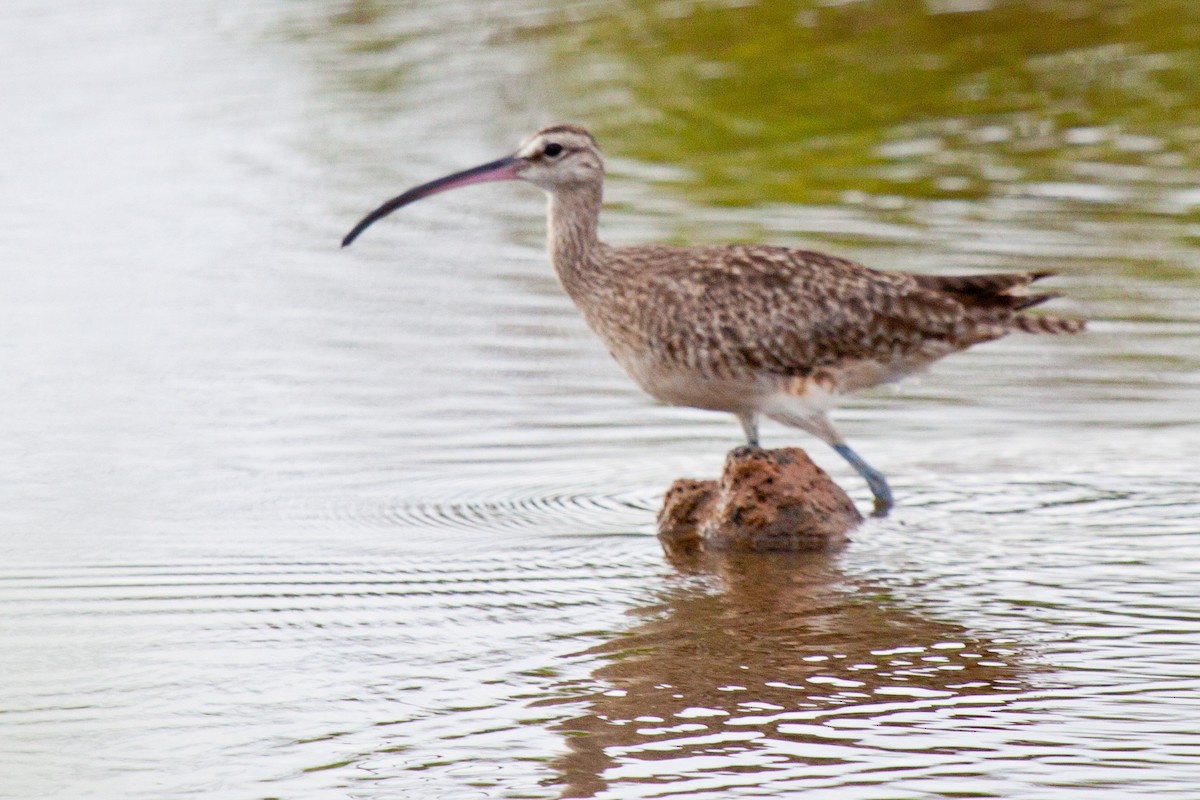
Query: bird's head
{"points": [[555, 159], [560, 157]]}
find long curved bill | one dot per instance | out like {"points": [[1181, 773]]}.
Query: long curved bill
{"points": [[504, 169]]}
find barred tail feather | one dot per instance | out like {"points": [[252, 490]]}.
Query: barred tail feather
{"points": [[1030, 323]]}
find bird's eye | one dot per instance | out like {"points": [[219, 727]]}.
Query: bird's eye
{"points": [[553, 149]]}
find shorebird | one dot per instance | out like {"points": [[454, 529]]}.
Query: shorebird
{"points": [[753, 330]]}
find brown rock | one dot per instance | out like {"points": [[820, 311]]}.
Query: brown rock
{"points": [[765, 500]]}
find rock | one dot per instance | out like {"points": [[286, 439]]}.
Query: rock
{"points": [[765, 500]]}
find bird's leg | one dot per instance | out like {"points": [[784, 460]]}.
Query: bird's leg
{"points": [[874, 478], [816, 423], [749, 427]]}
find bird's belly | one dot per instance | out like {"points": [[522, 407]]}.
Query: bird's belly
{"points": [[770, 394], [681, 386]]}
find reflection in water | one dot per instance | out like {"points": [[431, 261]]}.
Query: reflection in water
{"points": [[773, 664]]}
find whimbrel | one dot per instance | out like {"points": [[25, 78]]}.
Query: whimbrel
{"points": [[753, 330]]}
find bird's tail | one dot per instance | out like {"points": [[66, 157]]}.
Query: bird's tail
{"points": [[1034, 323], [1008, 294]]}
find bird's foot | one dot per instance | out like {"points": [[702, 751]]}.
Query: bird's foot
{"points": [[874, 479], [883, 495], [883, 505]]}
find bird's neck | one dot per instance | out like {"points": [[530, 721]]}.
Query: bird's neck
{"points": [[573, 217]]}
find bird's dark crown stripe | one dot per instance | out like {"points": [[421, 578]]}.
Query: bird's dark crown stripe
{"points": [[567, 129]]}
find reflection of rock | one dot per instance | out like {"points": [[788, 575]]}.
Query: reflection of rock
{"points": [[765, 500], [751, 664]]}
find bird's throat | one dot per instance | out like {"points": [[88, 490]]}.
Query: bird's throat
{"points": [[572, 221]]}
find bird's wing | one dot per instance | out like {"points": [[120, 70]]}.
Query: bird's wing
{"points": [[754, 309]]}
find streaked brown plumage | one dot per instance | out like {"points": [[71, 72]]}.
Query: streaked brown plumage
{"points": [[748, 329]]}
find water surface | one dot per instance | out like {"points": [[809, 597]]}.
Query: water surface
{"points": [[278, 520]]}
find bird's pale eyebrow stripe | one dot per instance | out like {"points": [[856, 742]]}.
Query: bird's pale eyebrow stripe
{"points": [[530, 150]]}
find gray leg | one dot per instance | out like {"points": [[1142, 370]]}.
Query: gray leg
{"points": [[818, 425], [874, 478], [750, 427]]}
